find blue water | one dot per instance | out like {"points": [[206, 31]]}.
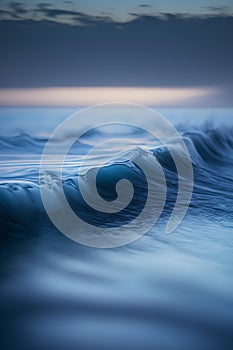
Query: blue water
{"points": [[162, 291]]}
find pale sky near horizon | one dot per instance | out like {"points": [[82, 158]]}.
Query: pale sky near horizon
{"points": [[88, 96]]}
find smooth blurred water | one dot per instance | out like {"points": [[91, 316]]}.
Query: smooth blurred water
{"points": [[161, 292]]}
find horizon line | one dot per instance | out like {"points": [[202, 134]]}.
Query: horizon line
{"points": [[87, 96]]}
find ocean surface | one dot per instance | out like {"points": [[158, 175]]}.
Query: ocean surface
{"points": [[163, 291]]}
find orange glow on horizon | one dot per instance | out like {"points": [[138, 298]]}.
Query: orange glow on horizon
{"points": [[86, 96]]}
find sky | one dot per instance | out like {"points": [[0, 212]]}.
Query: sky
{"points": [[174, 46], [120, 10]]}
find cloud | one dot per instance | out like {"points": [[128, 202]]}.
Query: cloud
{"points": [[43, 5], [80, 17], [46, 10], [17, 8], [144, 5], [217, 9], [161, 16], [14, 10], [5, 12]]}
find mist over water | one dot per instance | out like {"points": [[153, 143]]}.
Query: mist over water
{"points": [[160, 292]]}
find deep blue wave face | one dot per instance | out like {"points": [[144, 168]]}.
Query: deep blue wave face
{"points": [[107, 179], [162, 291]]}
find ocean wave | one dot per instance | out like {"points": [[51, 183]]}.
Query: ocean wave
{"points": [[210, 149]]}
